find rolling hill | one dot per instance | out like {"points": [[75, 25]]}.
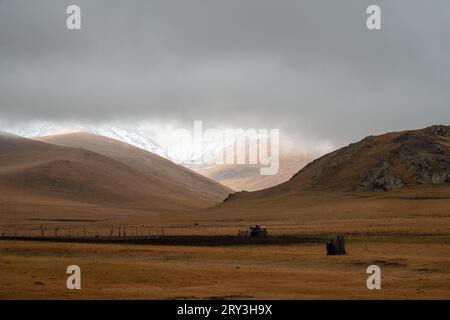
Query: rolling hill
{"points": [[378, 163], [382, 163], [246, 177], [147, 163], [43, 173]]}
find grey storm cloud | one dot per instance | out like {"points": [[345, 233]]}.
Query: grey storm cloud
{"points": [[309, 67]]}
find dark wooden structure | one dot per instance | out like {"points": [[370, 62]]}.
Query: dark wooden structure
{"points": [[336, 246], [254, 231], [258, 231]]}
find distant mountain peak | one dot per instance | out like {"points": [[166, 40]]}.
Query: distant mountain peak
{"points": [[128, 135]]}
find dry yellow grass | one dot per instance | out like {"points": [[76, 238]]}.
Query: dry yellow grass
{"points": [[409, 271], [408, 237], [406, 232]]}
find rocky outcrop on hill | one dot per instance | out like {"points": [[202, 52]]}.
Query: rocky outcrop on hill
{"points": [[393, 162], [425, 155], [439, 130], [381, 178], [381, 163]]}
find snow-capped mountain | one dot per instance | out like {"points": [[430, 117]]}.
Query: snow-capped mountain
{"points": [[131, 136], [162, 140], [148, 137]]}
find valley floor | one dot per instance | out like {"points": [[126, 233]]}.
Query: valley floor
{"points": [[406, 234], [411, 269]]}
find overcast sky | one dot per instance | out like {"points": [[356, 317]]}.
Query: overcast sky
{"points": [[311, 68]]}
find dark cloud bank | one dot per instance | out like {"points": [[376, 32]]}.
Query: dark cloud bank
{"points": [[308, 67]]}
